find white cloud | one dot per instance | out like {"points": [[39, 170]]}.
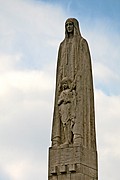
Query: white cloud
{"points": [[8, 61], [104, 74], [23, 165], [25, 124], [108, 125], [25, 81], [31, 29]]}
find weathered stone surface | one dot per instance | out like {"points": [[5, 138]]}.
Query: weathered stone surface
{"points": [[63, 169], [53, 170], [73, 154], [71, 160], [64, 177], [72, 167], [77, 176]]}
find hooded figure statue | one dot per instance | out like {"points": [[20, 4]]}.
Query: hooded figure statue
{"points": [[74, 63]]}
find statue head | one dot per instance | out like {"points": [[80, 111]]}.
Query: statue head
{"points": [[72, 26], [69, 27], [65, 83]]}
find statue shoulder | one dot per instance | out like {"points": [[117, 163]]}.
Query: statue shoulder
{"points": [[84, 44], [84, 41], [62, 42], [61, 46]]}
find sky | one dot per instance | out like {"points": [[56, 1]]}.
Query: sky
{"points": [[30, 34]]}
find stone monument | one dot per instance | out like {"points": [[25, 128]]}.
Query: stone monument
{"points": [[73, 153]]}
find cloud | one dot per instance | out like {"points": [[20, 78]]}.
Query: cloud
{"points": [[8, 61], [104, 73], [25, 125], [106, 79], [25, 128], [26, 81], [107, 120], [31, 29], [27, 166]]}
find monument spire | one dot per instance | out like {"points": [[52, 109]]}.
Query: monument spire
{"points": [[73, 154]]}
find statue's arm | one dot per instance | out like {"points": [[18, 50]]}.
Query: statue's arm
{"points": [[61, 99]]}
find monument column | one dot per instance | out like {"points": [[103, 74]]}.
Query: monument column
{"points": [[73, 153]]}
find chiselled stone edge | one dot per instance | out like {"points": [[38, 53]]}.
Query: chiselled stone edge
{"points": [[74, 168]]}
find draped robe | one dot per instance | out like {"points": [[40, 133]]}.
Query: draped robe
{"points": [[74, 62]]}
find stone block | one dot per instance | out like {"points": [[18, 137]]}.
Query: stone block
{"points": [[77, 176], [64, 177], [72, 167], [93, 173], [53, 178], [88, 178], [86, 170], [63, 169], [79, 168], [53, 170]]}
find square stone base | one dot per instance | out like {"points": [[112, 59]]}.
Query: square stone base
{"points": [[72, 163]]}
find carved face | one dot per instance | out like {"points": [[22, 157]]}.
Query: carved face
{"points": [[69, 27], [65, 86]]}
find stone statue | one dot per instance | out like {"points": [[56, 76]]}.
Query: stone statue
{"points": [[74, 63], [66, 103], [73, 154]]}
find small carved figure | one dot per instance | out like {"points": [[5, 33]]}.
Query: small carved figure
{"points": [[66, 110]]}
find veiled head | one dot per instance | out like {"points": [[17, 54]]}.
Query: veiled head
{"points": [[72, 22]]}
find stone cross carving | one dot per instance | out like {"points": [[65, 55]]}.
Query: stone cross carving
{"points": [[74, 119]]}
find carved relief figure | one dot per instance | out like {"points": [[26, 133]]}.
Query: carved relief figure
{"points": [[74, 63], [66, 103]]}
